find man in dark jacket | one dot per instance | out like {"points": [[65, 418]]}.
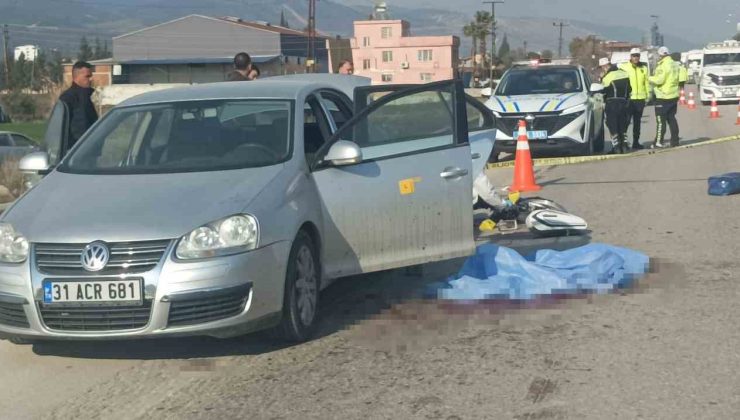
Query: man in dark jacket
{"points": [[82, 114], [617, 91], [242, 66]]}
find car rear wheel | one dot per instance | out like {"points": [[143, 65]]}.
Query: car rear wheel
{"points": [[301, 297]]}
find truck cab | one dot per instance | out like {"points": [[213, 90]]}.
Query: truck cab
{"points": [[720, 72]]}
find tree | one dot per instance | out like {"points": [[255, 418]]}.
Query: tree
{"points": [[505, 50], [55, 67], [587, 51], [283, 21], [483, 21], [86, 53], [97, 50], [471, 30], [736, 37], [21, 73]]}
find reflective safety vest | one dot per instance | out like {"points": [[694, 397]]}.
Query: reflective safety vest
{"points": [[683, 73], [616, 84], [665, 79], [638, 80]]}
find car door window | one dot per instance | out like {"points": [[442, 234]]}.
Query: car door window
{"points": [[479, 117], [5, 140], [336, 108], [21, 141], [408, 124], [315, 128]]}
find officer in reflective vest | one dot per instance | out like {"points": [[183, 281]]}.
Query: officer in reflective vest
{"points": [[667, 92], [638, 75], [617, 91]]}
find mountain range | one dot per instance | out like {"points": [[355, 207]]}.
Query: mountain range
{"points": [[61, 23]]}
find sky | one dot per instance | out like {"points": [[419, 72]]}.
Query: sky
{"points": [[699, 21]]}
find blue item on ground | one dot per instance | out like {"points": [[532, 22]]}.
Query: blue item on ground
{"points": [[725, 184], [496, 272]]}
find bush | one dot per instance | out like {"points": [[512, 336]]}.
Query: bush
{"points": [[20, 106], [12, 183]]}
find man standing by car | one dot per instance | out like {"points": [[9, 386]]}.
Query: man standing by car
{"points": [[242, 66], [667, 92], [638, 75], [82, 114], [617, 92]]}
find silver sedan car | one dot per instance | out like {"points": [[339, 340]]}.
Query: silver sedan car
{"points": [[223, 209]]}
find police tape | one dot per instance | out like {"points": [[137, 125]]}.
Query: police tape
{"points": [[573, 160]]}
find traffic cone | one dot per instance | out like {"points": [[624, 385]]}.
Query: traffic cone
{"points": [[714, 110], [523, 166], [692, 102], [737, 122], [682, 100]]}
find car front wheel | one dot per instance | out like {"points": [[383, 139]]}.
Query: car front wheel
{"points": [[301, 298]]}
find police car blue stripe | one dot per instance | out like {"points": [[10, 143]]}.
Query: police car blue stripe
{"points": [[503, 108], [564, 101], [544, 105], [516, 105]]}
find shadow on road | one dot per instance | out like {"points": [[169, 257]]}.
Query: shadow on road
{"points": [[345, 303]]}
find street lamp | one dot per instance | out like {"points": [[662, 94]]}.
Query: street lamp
{"points": [[493, 4]]}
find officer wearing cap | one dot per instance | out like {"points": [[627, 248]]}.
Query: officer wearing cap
{"points": [[638, 75], [617, 92], [667, 92]]}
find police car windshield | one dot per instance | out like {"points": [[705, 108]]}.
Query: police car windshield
{"points": [[727, 58], [534, 81]]}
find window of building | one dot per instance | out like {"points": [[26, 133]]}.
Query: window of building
{"points": [[426, 77], [386, 77], [366, 64], [366, 41], [387, 56], [424, 55], [386, 32]]}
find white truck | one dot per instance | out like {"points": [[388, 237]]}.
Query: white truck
{"points": [[694, 59], [720, 72]]}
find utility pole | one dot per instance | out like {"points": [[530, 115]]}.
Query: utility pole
{"points": [[493, 4], [560, 39], [5, 55], [311, 53]]}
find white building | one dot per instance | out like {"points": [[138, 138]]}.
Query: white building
{"points": [[29, 51]]}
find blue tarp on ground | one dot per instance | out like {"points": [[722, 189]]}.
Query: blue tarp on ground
{"points": [[496, 272]]}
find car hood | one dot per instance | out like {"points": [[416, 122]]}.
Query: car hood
{"points": [[536, 103], [722, 70], [71, 208]]}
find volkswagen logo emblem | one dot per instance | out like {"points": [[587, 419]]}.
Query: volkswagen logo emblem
{"points": [[95, 256]]}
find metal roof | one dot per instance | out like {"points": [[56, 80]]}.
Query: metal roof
{"points": [[213, 60]]}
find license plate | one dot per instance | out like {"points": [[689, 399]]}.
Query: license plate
{"points": [[534, 135], [114, 291]]}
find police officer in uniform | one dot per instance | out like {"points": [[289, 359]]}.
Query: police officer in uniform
{"points": [[666, 80], [638, 75], [617, 91]]}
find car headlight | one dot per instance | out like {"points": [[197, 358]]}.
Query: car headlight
{"points": [[574, 109], [228, 236], [13, 246]]}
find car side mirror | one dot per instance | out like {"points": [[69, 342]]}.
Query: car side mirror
{"points": [[343, 153], [35, 163], [596, 88]]}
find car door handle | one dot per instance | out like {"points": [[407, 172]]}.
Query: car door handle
{"points": [[452, 173], [475, 156]]}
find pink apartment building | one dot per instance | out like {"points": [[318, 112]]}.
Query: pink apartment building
{"points": [[384, 51]]}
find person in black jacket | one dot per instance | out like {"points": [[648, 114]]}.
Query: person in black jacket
{"points": [[82, 114], [242, 67], [617, 92]]}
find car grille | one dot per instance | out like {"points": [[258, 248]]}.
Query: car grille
{"points": [[13, 315], [726, 80], [200, 310], [96, 318], [550, 122], [128, 257]]}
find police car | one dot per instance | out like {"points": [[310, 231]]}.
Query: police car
{"points": [[563, 109]]}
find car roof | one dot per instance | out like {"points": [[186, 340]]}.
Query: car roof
{"points": [[547, 66], [279, 87]]}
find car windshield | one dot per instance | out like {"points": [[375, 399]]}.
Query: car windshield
{"points": [[540, 81], [186, 137], [727, 58]]}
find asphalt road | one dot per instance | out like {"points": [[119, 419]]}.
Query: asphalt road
{"points": [[666, 350]]}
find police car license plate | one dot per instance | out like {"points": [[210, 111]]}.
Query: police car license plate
{"points": [[533, 135], [95, 292]]}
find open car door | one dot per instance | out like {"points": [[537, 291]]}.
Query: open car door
{"points": [[56, 139], [406, 199], [481, 122]]}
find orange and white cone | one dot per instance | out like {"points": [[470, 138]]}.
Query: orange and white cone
{"points": [[737, 122], [523, 165], [714, 110], [692, 101], [682, 99]]}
